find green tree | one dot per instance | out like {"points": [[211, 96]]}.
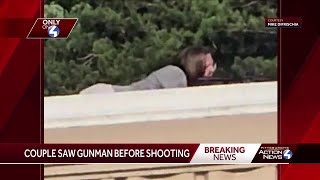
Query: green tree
{"points": [[119, 42]]}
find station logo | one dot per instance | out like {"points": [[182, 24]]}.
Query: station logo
{"points": [[287, 154], [275, 153], [53, 31], [50, 28]]}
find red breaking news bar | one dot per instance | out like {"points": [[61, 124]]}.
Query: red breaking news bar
{"points": [[285, 22]]}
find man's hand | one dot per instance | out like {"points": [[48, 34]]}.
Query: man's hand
{"points": [[210, 66]]}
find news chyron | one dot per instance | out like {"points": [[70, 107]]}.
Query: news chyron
{"points": [[52, 28]]}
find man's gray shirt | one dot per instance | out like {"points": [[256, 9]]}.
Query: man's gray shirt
{"points": [[164, 78]]}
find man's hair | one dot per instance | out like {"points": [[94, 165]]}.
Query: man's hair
{"points": [[192, 60]]}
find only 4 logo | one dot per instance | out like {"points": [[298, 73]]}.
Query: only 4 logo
{"points": [[53, 31]]}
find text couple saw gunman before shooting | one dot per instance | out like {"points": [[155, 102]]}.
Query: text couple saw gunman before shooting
{"points": [[195, 62]]}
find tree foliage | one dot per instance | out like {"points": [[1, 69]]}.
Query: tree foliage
{"points": [[119, 42]]}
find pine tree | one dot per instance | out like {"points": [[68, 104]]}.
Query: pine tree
{"points": [[120, 42]]}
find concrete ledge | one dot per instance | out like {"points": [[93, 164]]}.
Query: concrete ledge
{"points": [[156, 105], [253, 128], [240, 113]]}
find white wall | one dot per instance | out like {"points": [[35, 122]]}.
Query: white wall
{"points": [[173, 105], [154, 105]]}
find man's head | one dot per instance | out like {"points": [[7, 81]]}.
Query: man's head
{"points": [[197, 62]]}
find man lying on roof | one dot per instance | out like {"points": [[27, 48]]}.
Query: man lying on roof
{"points": [[195, 62]]}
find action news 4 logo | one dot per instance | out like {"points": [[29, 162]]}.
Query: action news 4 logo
{"points": [[275, 153], [287, 154], [52, 27]]}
